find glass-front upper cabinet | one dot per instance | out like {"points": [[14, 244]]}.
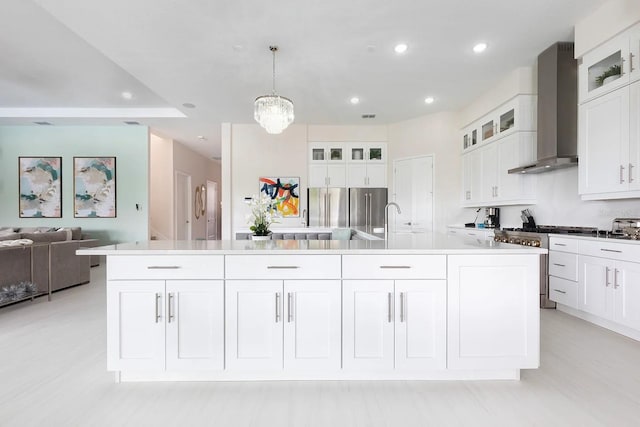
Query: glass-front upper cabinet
{"points": [[507, 120], [606, 68], [488, 130], [367, 152], [326, 152]]}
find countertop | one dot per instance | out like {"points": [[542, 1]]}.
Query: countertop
{"points": [[596, 239], [398, 243]]}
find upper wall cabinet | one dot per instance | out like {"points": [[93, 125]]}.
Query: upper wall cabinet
{"points": [[518, 114], [614, 64], [327, 166], [367, 164]]}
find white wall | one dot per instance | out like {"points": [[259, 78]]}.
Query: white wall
{"points": [[435, 135], [167, 157], [255, 153], [161, 188], [130, 146], [201, 169], [607, 21]]}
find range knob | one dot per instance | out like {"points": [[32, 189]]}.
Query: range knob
{"points": [[535, 243]]}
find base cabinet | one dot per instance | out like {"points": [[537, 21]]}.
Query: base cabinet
{"points": [[156, 325], [397, 324], [493, 314], [275, 324], [610, 289]]}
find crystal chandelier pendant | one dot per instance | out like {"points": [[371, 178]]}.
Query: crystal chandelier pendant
{"points": [[273, 112]]}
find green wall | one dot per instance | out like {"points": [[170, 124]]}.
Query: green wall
{"points": [[130, 146]]}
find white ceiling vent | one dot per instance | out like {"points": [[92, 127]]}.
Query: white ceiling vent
{"points": [[368, 116], [132, 123]]}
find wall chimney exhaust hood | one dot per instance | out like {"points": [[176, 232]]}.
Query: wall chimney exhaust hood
{"points": [[557, 110]]}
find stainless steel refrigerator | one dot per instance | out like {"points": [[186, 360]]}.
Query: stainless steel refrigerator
{"points": [[327, 207], [366, 207]]}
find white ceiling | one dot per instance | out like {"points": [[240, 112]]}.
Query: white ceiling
{"points": [[214, 54]]}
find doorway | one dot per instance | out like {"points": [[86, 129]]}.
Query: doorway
{"points": [[183, 206], [413, 192], [212, 210]]}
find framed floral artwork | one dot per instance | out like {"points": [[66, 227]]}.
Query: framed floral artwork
{"points": [[40, 187], [94, 187]]}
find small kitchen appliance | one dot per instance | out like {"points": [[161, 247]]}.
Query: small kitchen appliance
{"points": [[492, 218]]}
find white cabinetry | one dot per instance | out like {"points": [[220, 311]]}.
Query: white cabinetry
{"points": [[563, 271], [493, 314], [604, 145], [172, 324], [367, 165], [610, 285], [285, 323], [391, 323], [508, 141], [612, 65], [609, 119], [327, 167], [475, 233]]}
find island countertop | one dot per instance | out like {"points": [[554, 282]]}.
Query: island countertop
{"points": [[400, 243]]}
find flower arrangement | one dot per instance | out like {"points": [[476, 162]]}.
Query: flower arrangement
{"points": [[614, 70], [262, 214]]}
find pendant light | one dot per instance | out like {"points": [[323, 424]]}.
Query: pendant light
{"points": [[273, 112]]}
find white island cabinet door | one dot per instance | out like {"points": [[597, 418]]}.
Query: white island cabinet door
{"points": [[135, 325], [421, 324], [493, 312], [195, 325], [253, 326], [312, 325], [367, 325]]}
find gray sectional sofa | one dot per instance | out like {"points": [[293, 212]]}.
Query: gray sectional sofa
{"points": [[54, 255]]}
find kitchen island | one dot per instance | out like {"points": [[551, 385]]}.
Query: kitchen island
{"points": [[416, 306]]}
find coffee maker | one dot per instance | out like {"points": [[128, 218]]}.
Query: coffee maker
{"points": [[492, 218]]}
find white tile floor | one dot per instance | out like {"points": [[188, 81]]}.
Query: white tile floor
{"points": [[52, 373]]}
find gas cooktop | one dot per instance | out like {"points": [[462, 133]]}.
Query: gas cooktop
{"points": [[556, 229]]}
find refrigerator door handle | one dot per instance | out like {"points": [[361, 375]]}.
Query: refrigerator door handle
{"points": [[366, 209], [370, 220]]}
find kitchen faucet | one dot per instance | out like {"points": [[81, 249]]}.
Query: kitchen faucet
{"points": [[386, 217]]}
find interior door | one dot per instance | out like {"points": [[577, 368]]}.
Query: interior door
{"points": [[183, 206], [413, 191], [212, 210]]}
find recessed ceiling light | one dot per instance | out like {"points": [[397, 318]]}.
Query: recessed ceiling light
{"points": [[202, 138], [429, 100], [127, 95], [188, 105], [400, 48], [480, 47], [354, 100]]}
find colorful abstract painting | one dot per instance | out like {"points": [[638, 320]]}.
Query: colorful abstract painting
{"points": [[40, 187], [94, 187], [285, 193]]}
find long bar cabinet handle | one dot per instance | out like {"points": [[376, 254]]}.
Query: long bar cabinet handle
{"points": [[562, 292], [282, 267], [606, 276], [389, 303], [622, 168], [630, 175], [394, 266], [289, 307], [610, 250], [401, 306], [277, 307], [163, 267], [559, 265], [170, 307], [615, 278], [158, 296]]}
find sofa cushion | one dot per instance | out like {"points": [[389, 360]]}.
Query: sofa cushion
{"points": [[10, 236], [6, 230], [75, 233], [35, 229], [55, 236]]}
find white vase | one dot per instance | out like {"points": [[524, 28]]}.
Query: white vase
{"points": [[610, 78], [254, 237]]}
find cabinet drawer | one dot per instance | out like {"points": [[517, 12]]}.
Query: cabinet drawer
{"points": [[563, 264], [563, 291], [394, 267], [282, 266], [164, 267], [563, 245], [611, 250]]}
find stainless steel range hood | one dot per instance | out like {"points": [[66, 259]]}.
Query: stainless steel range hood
{"points": [[557, 110]]}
